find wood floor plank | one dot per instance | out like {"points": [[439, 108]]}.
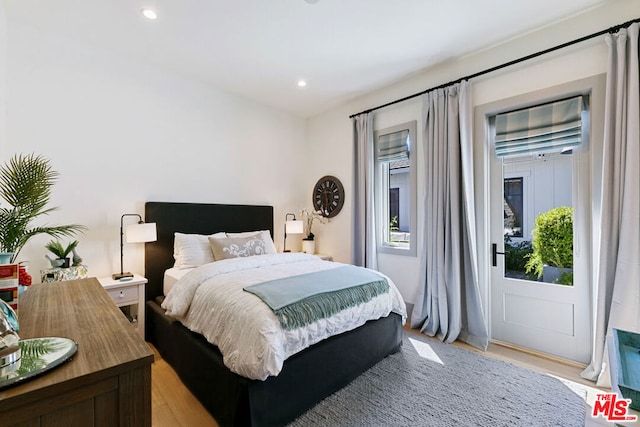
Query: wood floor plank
{"points": [[174, 403], [163, 416]]}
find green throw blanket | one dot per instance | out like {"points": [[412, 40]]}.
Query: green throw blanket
{"points": [[301, 300]]}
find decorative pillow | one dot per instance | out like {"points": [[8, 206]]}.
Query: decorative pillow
{"points": [[270, 247], [235, 247], [245, 234], [192, 250]]}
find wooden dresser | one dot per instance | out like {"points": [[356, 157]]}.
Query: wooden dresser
{"points": [[108, 380]]}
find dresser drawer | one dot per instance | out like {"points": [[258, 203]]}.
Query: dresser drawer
{"points": [[128, 295]]}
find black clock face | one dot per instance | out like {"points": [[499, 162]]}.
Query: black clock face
{"points": [[328, 196]]}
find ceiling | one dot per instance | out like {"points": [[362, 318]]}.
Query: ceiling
{"points": [[259, 49]]}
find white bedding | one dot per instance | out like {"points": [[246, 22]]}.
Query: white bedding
{"points": [[171, 277], [210, 300]]}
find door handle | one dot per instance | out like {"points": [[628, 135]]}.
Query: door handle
{"points": [[494, 254]]}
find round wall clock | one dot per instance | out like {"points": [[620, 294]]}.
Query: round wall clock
{"points": [[328, 196]]}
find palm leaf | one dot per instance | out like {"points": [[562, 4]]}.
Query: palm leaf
{"points": [[33, 351], [26, 181], [57, 232], [25, 184]]}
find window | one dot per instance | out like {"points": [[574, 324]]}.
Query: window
{"points": [[396, 189], [513, 207]]}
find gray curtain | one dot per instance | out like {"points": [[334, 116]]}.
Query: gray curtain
{"points": [[448, 305], [617, 248], [363, 251]]}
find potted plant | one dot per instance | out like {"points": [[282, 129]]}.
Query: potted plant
{"points": [[25, 186], [308, 242], [552, 256], [61, 253]]}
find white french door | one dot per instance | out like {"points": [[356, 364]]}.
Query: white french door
{"points": [[546, 317]]}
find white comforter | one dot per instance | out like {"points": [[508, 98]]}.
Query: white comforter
{"points": [[209, 300]]}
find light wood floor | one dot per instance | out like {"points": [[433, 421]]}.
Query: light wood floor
{"points": [[174, 406]]}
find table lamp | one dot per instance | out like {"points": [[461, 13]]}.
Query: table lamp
{"points": [[292, 227], [136, 233]]}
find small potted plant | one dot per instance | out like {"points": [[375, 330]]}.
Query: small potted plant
{"points": [[61, 252], [308, 242], [552, 256]]}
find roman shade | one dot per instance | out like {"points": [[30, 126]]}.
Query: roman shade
{"points": [[550, 127], [393, 146]]}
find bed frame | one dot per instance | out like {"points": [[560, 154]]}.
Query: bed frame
{"points": [[306, 377]]}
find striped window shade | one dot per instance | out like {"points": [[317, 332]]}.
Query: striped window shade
{"points": [[543, 128], [393, 146]]}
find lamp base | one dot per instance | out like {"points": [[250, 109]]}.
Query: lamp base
{"points": [[121, 276]]}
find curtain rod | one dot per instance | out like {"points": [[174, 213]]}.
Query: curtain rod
{"points": [[610, 30]]}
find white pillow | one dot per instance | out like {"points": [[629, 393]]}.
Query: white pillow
{"points": [[192, 250], [236, 247], [270, 247]]}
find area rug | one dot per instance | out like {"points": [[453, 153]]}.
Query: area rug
{"points": [[429, 383]]}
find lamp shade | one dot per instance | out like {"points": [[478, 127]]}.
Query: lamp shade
{"points": [[139, 233], [294, 227]]}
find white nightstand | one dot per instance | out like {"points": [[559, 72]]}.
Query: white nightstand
{"points": [[129, 296]]}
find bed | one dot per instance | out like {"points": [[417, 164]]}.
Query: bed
{"points": [[305, 378]]}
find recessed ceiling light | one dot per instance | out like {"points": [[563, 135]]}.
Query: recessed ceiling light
{"points": [[302, 83], [149, 13]]}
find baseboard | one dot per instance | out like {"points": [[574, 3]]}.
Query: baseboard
{"points": [[539, 354]]}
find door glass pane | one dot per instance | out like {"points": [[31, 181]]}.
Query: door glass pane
{"points": [[538, 218]]}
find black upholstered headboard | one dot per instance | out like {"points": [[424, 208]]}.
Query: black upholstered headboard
{"points": [[196, 218]]}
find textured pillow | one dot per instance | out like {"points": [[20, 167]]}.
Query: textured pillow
{"points": [[235, 247], [270, 247], [192, 250]]}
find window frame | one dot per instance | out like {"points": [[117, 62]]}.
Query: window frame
{"points": [[381, 196]]}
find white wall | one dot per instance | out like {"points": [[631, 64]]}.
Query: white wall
{"points": [[3, 67], [122, 132], [330, 134]]}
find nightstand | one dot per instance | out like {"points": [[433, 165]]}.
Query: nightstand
{"points": [[324, 257], [129, 296]]}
